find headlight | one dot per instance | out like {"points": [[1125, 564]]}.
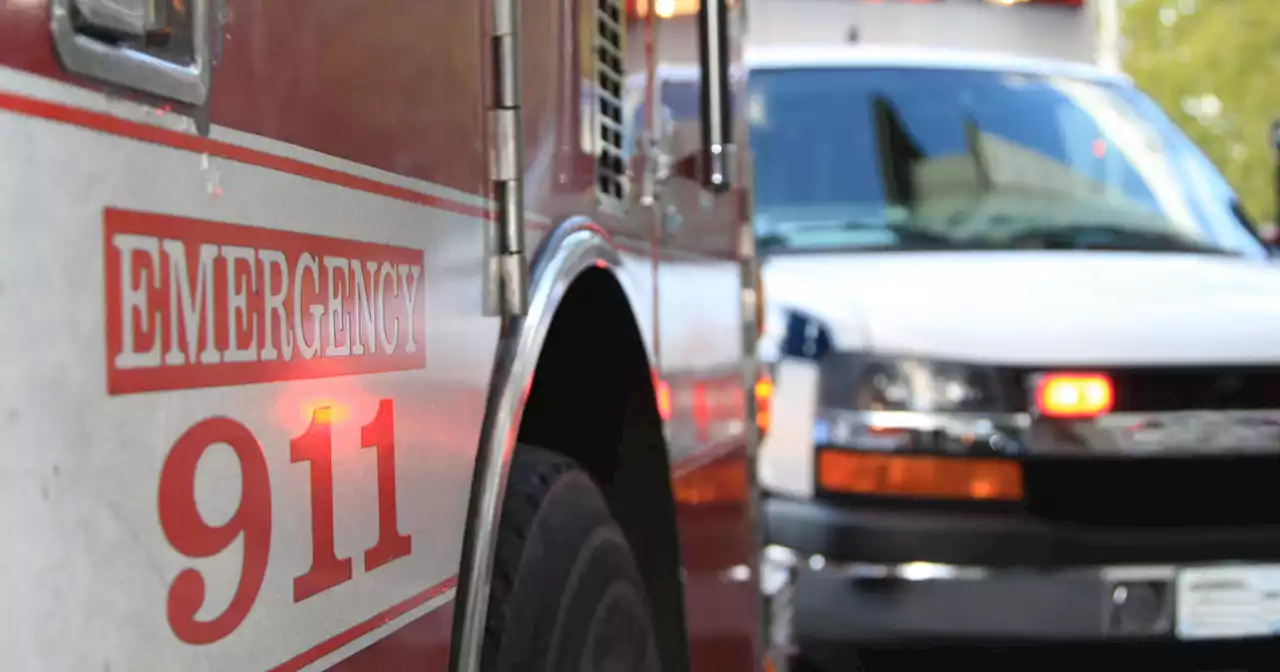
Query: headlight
{"points": [[881, 404], [882, 384]]}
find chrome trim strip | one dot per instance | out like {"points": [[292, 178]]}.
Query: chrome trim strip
{"points": [[1125, 434], [931, 421], [944, 432], [119, 65], [1164, 433], [571, 248], [780, 561]]}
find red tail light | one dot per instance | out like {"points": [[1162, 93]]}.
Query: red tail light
{"points": [[1074, 395]]}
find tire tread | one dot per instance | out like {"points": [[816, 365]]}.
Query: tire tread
{"points": [[533, 472]]}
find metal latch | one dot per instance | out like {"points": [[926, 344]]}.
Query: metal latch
{"points": [[160, 47]]}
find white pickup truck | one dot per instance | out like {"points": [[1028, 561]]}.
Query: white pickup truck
{"points": [[1026, 351]]}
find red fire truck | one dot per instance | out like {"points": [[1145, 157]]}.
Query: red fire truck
{"points": [[359, 344]]}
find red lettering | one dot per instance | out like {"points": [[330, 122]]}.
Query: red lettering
{"points": [[187, 532], [191, 303], [327, 570], [189, 535], [379, 434]]}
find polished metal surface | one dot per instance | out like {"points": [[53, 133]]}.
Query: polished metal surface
{"points": [[1162, 434], [506, 287], [959, 433], [718, 135], [575, 246], [129, 17], [186, 82], [780, 563], [1154, 434]]}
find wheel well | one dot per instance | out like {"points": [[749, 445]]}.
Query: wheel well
{"points": [[592, 399]]}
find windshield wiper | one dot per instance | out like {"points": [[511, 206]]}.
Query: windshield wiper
{"points": [[770, 241], [907, 233], [1119, 238], [910, 237]]}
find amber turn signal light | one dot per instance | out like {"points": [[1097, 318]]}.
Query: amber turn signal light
{"points": [[919, 476], [764, 399]]}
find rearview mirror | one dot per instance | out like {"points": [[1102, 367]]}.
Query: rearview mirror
{"points": [[717, 116]]}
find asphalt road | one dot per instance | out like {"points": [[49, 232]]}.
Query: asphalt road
{"points": [[1264, 657]]}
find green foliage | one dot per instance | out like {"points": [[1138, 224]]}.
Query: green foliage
{"points": [[1181, 50]]}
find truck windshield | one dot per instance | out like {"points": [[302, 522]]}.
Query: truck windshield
{"points": [[947, 159]]}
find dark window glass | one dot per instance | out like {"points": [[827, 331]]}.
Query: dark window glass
{"points": [[910, 158]]}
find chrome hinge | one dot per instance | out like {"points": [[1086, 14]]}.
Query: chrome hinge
{"points": [[506, 281]]}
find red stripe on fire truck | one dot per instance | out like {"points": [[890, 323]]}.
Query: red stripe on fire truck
{"points": [[193, 303]]}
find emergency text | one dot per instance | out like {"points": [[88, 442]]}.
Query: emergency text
{"points": [[192, 303]]}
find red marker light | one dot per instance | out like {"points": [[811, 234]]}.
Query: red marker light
{"points": [[664, 400], [662, 390], [1074, 395], [1099, 148], [764, 397]]}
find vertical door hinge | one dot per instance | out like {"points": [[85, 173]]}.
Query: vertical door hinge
{"points": [[506, 290]]}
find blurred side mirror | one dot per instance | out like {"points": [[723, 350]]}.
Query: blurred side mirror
{"points": [[717, 116], [1271, 239], [1274, 238]]}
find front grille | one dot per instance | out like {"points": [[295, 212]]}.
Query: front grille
{"points": [[1181, 389], [1175, 491], [1155, 491]]}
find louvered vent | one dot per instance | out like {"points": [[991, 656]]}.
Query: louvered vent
{"points": [[611, 178]]}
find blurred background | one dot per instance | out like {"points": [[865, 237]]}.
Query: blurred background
{"points": [[1213, 66]]}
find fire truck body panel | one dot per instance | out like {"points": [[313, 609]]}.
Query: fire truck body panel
{"points": [[88, 496], [273, 468]]}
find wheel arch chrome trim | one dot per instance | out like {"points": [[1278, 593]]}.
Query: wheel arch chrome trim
{"points": [[576, 245]]}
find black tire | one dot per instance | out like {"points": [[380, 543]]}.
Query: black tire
{"points": [[566, 595]]}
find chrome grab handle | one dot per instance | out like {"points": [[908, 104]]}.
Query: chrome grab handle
{"points": [[125, 17], [157, 47]]}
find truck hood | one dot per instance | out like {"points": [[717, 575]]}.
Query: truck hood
{"points": [[1033, 307]]}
